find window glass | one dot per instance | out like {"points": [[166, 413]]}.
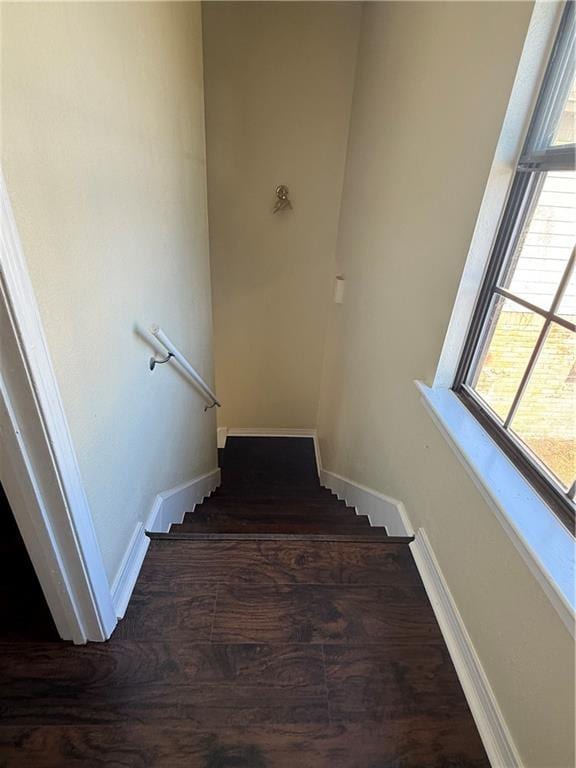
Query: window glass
{"points": [[535, 271], [565, 133], [512, 333], [545, 419]]}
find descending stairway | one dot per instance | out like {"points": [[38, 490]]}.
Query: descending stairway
{"points": [[270, 488], [299, 634]]}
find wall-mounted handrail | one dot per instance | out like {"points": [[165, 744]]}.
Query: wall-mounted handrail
{"points": [[173, 351]]}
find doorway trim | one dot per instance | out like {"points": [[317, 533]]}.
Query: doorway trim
{"points": [[43, 482]]}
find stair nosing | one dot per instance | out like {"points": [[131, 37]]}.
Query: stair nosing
{"points": [[366, 538]]}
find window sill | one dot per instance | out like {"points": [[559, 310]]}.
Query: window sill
{"points": [[544, 543]]}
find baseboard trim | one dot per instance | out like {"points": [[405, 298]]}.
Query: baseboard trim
{"points": [[125, 580], [168, 507], [489, 720], [270, 432], [221, 435], [381, 510]]}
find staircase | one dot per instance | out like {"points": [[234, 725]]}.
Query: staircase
{"points": [[270, 489], [292, 634]]}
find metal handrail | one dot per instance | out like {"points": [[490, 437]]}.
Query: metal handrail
{"points": [[173, 352]]}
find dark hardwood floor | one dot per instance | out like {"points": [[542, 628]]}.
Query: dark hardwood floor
{"points": [[241, 652]]}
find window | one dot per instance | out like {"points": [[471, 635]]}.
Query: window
{"points": [[518, 369]]}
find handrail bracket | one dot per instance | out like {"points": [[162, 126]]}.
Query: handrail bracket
{"points": [[154, 362], [174, 352]]}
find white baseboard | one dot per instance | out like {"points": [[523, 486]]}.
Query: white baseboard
{"points": [[490, 722], [221, 435], [381, 510], [270, 432], [129, 569], [169, 507]]}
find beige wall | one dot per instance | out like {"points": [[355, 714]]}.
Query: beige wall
{"points": [[103, 154], [278, 80], [432, 86]]}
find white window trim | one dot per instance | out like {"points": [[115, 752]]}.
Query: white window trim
{"points": [[531, 68], [545, 544]]}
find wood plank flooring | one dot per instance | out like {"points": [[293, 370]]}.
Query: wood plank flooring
{"points": [[277, 629], [249, 654]]}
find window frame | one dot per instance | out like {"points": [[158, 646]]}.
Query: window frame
{"points": [[538, 156]]}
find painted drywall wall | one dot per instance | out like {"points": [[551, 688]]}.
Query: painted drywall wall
{"points": [[278, 80], [103, 153], [433, 81]]}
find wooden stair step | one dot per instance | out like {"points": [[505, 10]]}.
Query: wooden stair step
{"points": [[252, 527], [330, 501], [292, 519], [265, 492], [295, 516], [372, 535], [286, 515], [257, 500], [273, 508]]}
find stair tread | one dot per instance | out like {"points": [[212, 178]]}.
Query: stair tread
{"points": [[274, 504], [259, 500], [269, 503], [373, 535], [271, 499], [274, 513], [270, 492], [290, 521], [264, 527], [272, 508]]}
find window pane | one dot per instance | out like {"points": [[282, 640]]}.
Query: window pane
{"points": [[564, 133], [546, 417], [539, 262], [511, 337]]}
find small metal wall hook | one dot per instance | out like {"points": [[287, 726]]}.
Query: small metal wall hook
{"points": [[207, 407], [282, 199], [153, 362]]}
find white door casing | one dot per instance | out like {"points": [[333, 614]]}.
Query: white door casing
{"points": [[38, 466]]}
